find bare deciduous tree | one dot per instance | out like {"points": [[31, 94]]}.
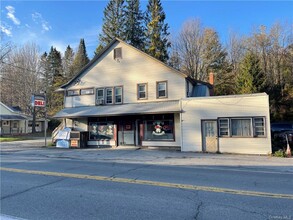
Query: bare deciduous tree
{"points": [[21, 77]]}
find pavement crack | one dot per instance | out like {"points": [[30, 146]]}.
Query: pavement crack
{"points": [[198, 210], [130, 170], [31, 188]]}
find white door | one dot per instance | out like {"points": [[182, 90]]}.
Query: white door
{"points": [[209, 136]]}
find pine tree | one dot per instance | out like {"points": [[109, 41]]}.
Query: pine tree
{"points": [[81, 59], [99, 49], [133, 30], [67, 62], [157, 42], [113, 22], [213, 55], [55, 100], [250, 78]]}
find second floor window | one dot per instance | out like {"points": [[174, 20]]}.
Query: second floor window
{"points": [[118, 95], [100, 94], [109, 95], [162, 89], [142, 91]]}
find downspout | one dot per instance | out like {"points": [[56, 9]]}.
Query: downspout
{"points": [[181, 129]]}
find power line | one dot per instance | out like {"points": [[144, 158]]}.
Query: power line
{"points": [[22, 68]]}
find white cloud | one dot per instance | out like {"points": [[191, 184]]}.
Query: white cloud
{"points": [[6, 30], [38, 19], [11, 16]]}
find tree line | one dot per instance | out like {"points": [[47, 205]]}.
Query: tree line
{"points": [[259, 62]]}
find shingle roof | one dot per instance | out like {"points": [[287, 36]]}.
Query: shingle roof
{"points": [[12, 117]]}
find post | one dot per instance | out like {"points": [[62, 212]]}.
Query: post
{"points": [[45, 126], [34, 120]]}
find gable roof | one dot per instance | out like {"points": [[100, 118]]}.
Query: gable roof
{"points": [[86, 67], [7, 107]]}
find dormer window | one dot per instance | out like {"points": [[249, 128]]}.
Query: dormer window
{"points": [[118, 53]]}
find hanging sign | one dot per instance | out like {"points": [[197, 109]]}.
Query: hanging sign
{"points": [[38, 101]]}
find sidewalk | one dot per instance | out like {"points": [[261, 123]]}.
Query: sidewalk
{"points": [[149, 156]]}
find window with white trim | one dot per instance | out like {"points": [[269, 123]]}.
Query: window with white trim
{"points": [[242, 127], [109, 95], [259, 127], [224, 127], [118, 95], [100, 94]]}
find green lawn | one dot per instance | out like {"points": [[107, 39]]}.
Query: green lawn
{"points": [[9, 139]]}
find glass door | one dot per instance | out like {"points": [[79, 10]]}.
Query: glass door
{"points": [[126, 133]]}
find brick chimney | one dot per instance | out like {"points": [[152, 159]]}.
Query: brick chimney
{"points": [[211, 78]]}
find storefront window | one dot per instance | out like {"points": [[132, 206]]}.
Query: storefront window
{"points": [[159, 130], [101, 130]]}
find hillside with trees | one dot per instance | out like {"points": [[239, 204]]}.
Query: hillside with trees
{"points": [[259, 62]]}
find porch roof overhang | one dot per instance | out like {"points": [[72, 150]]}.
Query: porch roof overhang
{"points": [[12, 117], [120, 110]]}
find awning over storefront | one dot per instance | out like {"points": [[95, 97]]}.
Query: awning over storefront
{"points": [[12, 118], [117, 110]]}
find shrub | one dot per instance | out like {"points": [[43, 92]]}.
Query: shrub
{"points": [[280, 153]]}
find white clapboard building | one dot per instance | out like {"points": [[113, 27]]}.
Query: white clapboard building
{"points": [[126, 97]]}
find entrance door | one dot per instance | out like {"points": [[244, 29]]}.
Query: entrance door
{"points": [[126, 133], [209, 136]]}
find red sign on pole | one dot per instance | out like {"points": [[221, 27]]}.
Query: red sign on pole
{"points": [[39, 101]]}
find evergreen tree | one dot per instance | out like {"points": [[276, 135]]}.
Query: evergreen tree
{"points": [[81, 59], [55, 99], [133, 30], [113, 22], [99, 49], [157, 42], [213, 55], [250, 78], [68, 63]]}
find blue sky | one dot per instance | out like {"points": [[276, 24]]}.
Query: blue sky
{"points": [[62, 23]]}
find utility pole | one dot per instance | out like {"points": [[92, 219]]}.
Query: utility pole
{"points": [[45, 130]]}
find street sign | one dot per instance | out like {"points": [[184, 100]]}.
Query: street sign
{"points": [[38, 101]]}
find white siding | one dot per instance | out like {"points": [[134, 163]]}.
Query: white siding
{"points": [[77, 101], [79, 124], [132, 69], [5, 111], [197, 109]]}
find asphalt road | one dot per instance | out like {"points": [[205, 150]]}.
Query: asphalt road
{"points": [[40, 187]]}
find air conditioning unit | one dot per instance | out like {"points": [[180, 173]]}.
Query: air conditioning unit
{"points": [[99, 101]]}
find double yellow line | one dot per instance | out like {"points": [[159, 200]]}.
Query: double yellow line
{"points": [[151, 183]]}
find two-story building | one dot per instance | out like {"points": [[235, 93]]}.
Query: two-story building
{"points": [[126, 97]]}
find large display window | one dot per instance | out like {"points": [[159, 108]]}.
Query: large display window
{"points": [[159, 130], [101, 130]]}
